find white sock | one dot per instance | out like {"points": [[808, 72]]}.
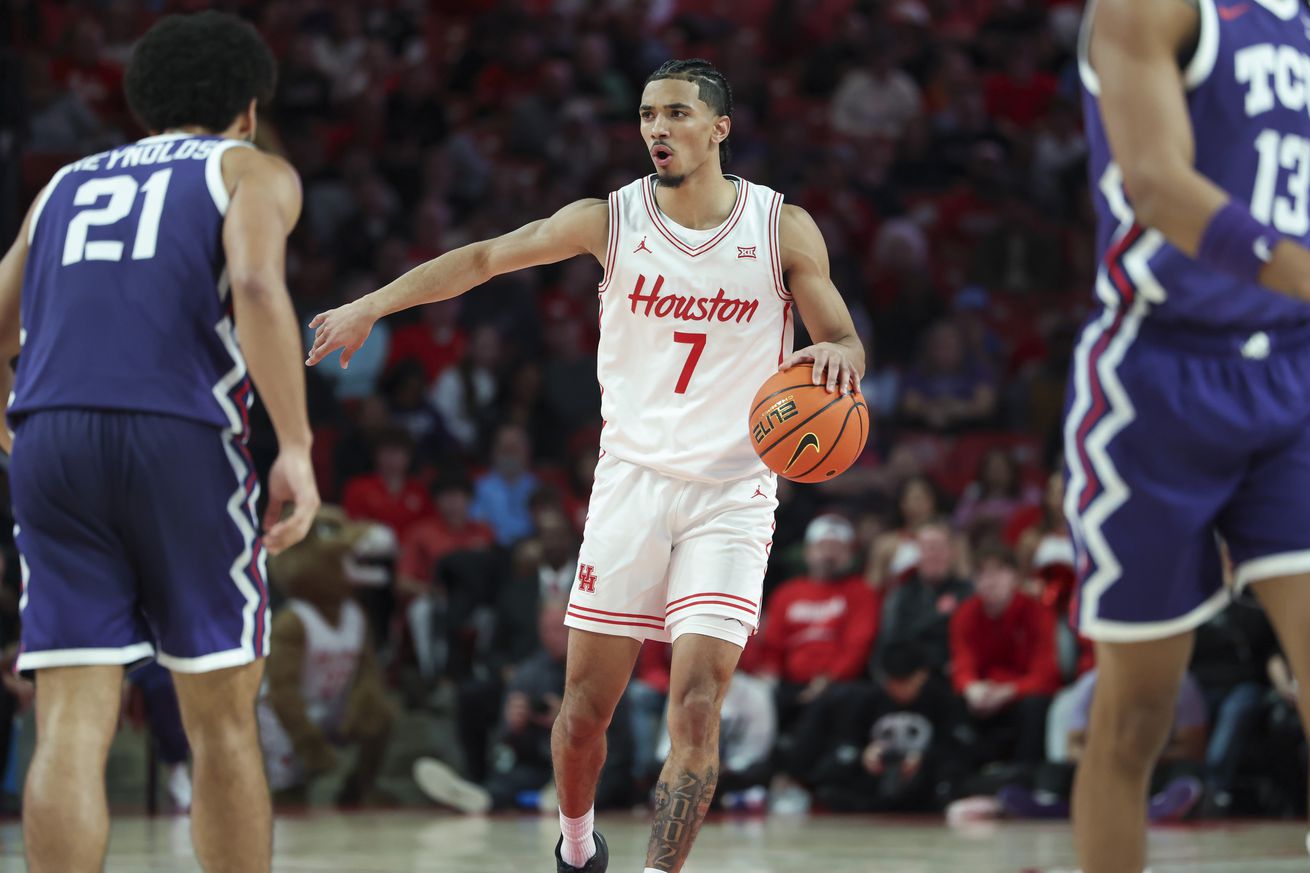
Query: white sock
{"points": [[579, 845], [651, 870]]}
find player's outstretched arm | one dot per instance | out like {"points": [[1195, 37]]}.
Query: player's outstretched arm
{"points": [[11, 294], [265, 206], [837, 353], [578, 228], [1135, 47]]}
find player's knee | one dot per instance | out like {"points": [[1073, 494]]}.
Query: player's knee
{"points": [[222, 729], [582, 718], [82, 744], [694, 717], [1135, 733]]}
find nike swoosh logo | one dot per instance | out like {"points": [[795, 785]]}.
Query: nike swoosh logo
{"points": [[1232, 13], [809, 441]]}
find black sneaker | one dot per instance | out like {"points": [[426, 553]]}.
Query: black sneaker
{"points": [[598, 864]]}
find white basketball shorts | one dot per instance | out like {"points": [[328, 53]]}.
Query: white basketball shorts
{"points": [[663, 556]]}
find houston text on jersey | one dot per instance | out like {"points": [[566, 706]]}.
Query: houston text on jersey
{"points": [[689, 308]]}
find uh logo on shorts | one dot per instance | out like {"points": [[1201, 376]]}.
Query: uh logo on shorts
{"points": [[587, 578]]}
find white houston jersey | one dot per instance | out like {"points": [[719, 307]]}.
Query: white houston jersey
{"points": [[691, 324]]}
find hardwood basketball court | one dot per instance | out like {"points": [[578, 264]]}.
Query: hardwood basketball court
{"points": [[419, 842]]}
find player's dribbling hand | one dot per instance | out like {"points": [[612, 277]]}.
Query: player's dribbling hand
{"points": [[345, 328], [831, 362], [290, 483]]}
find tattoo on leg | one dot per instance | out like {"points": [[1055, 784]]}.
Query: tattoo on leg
{"points": [[679, 811]]}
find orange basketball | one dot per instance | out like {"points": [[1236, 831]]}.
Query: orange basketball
{"points": [[803, 433]]}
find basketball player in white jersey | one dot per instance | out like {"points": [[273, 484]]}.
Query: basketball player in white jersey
{"points": [[702, 272]]}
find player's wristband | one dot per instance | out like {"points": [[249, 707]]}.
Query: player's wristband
{"points": [[1236, 243]]}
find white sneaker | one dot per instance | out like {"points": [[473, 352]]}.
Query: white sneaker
{"points": [[443, 785], [179, 787]]}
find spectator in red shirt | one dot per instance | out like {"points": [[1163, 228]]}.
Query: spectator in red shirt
{"points": [[1003, 661], [432, 537], [390, 494], [1046, 563], [819, 628]]}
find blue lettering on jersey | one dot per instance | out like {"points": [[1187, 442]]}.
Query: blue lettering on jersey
{"points": [[125, 303], [1249, 104]]}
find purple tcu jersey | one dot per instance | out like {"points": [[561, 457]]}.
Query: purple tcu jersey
{"points": [[1248, 92], [125, 303]]}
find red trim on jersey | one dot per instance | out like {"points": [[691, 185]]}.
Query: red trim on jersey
{"points": [[612, 251], [600, 329], [572, 614], [712, 594], [616, 614], [653, 210], [1114, 264], [711, 603], [241, 399], [775, 248], [258, 641], [782, 340]]}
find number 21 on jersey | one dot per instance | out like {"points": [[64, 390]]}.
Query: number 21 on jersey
{"points": [[122, 192]]}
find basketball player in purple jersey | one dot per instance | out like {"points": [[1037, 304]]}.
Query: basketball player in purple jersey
{"points": [[141, 276], [1189, 410], [695, 315]]}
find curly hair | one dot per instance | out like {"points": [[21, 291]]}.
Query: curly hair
{"points": [[714, 88], [200, 70]]}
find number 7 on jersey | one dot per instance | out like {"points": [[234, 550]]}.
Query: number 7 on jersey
{"points": [[697, 343]]}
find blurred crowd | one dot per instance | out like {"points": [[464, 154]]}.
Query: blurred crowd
{"points": [[915, 647]]}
